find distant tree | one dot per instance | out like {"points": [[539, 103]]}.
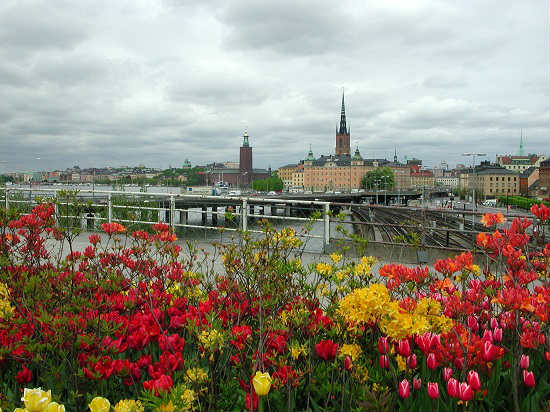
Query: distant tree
{"points": [[369, 181], [266, 185]]}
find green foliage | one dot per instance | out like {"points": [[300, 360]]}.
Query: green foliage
{"points": [[520, 201], [381, 177], [266, 185]]}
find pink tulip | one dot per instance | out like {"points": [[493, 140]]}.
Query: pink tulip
{"points": [[433, 390], [487, 335], [497, 334], [472, 323], [347, 363], [452, 388], [494, 323], [404, 389], [384, 362], [417, 384], [488, 351], [411, 361], [431, 361], [447, 373], [528, 379], [465, 392], [404, 348], [473, 380], [524, 362]]}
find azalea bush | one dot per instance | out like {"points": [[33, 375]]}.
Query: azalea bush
{"points": [[134, 323]]}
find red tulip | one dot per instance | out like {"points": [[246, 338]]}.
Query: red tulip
{"points": [[417, 384], [251, 402], [452, 387], [447, 373], [494, 323], [404, 348], [465, 392], [528, 379], [497, 334], [411, 361], [404, 389], [547, 354], [472, 323], [459, 363], [347, 363], [383, 345], [431, 361], [473, 380], [433, 390], [524, 362], [326, 349], [487, 335], [384, 362], [488, 351]]}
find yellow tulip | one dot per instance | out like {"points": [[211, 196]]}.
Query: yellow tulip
{"points": [[55, 407], [99, 404], [36, 400], [262, 383]]}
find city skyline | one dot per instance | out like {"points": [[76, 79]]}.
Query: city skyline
{"points": [[103, 83]]}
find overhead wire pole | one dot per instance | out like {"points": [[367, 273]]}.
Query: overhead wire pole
{"points": [[474, 184]]}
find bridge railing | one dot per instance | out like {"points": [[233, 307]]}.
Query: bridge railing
{"points": [[147, 209]]}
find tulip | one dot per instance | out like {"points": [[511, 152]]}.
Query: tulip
{"points": [[472, 323], [487, 335], [452, 387], [417, 384], [433, 390], [435, 341], [473, 380], [412, 362], [497, 334], [488, 351], [262, 383], [459, 363], [384, 362], [404, 348], [404, 389], [326, 349], [528, 379], [447, 373], [465, 392], [99, 404], [524, 362], [383, 345], [431, 361], [547, 354], [494, 323], [55, 407], [347, 363], [36, 400]]}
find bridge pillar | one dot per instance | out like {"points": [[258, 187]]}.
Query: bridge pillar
{"points": [[214, 216], [204, 215]]}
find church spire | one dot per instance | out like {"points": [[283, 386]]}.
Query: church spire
{"points": [[343, 128], [521, 151]]}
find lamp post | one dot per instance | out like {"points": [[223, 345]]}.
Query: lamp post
{"points": [[376, 182], [474, 182], [385, 188]]}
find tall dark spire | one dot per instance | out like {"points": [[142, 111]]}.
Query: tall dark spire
{"points": [[343, 128]]}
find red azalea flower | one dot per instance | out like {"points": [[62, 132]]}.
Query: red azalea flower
{"points": [[24, 376], [326, 349], [162, 384], [251, 402]]}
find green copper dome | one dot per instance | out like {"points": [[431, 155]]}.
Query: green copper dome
{"points": [[357, 155], [310, 154]]}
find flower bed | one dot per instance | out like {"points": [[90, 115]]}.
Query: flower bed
{"points": [[132, 323]]}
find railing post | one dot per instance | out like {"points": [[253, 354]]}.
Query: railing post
{"points": [[244, 216], [56, 210], [7, 199], [109, 208], [172, 211], [326, 218]]}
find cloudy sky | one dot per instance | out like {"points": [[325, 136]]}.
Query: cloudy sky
{"points": [[126, 82]]}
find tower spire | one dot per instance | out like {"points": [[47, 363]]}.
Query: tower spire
{"points": [[521, 150], [395, 154], [343, 128]]}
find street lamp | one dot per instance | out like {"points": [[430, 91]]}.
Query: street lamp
{"points": [[385, 177], [376, 182], [475, 181]]}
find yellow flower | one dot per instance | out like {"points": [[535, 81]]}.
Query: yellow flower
{"points": [[351, 350], [99, 404], [335, 257], [211, 339], [167, 407], [128, 405], [196, 375], [55, 407], [188, 397], [262, 383], [36, 399], [401, 362], [296, 351], [324, 268]]}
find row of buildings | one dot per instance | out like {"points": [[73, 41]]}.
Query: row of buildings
{"points": [[343, 171]]}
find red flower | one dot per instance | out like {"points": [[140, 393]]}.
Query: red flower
{"points": [[347, 363], [162, 384], [452, 388], [251, 402], [528, 379], [404, 389], [524, 362], [111, 228], [384, 362], [24, 375], [433, 390], [473, 380], [431, 361], [541, 211], [497, 334], [447, 373], [417, 384], [383, 346], [465, 392], [488, 351], [326, 349], [411, 361], [403, 348]]}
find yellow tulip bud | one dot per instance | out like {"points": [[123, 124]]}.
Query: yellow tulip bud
{"points": [[55, 407], [36, 400], [262, 383], [99, 404]]}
